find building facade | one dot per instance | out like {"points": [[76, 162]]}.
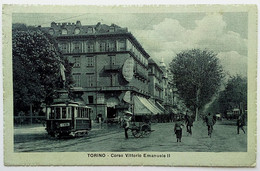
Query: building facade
{"points": [[110, 67], [168, 86]]}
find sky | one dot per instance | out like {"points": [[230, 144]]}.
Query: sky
{"points": [[163, 35]]}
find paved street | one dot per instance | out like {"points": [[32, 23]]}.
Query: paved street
{"points": [[111, 138]]}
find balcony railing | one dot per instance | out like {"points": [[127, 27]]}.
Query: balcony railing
{"points": [[140, 74], [158, 86]]}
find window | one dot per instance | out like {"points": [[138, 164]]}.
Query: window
{"points": [[90, 47], [51, 31], [102, 47], [76, 61], [90, 99], [90, 61], [90, 30], [64, 48], [64, 113], [77, 47], [57, 112], [52, 113], [113, 79], [90, 80], [111, 29], [100, 98], [77, 80], [135, 66], [79, 113], [121, 45], [112, 60], [64, 31], [76, 31], [69, 112], [111, 47]]}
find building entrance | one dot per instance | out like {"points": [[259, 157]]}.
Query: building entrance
{"points": [[111, 112]]}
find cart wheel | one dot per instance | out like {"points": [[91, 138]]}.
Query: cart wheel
{"points": [[146, 130], [136, 133], [146, 133]]}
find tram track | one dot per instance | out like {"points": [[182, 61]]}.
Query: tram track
{"points": [[49, 144]]}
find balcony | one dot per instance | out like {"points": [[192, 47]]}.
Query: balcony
{"points": [[116, 88], [112, 68], [158, 86], [140, 74]]}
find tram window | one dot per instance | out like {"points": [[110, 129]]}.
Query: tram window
{"points": [[57, 112], [51, 116], [83, 113], [79, 111], [64, 113], [69, 112], [76, 112], [86, 113]]}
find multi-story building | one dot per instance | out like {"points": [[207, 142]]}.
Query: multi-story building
{"points": [[110, 67], [156, 83], [167, 87]]}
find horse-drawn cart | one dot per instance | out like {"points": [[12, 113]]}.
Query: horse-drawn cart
{"points": [[141, 130], [140, 126]]}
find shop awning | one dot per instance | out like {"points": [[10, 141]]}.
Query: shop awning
{"points": [[175, 111], [154, 105], [142, 106], [112, 102], [160, 106]]}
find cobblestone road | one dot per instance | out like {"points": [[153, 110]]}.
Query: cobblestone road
{"points": [[111, 138]]}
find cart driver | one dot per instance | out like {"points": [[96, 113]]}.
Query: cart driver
{"points": [[126, 125]]}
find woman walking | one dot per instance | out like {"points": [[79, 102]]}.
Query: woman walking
{"points": [[178, 129]]}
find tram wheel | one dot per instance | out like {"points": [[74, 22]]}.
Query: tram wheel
{"points": [[57, 135]]}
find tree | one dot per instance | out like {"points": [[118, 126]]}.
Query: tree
{"points": [[234, 94], [197, 75], [36, 67]]}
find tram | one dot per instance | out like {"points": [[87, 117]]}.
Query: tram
{"points": [[68, 119]]}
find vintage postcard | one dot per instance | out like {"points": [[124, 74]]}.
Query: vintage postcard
{"points": [[130, 85]]}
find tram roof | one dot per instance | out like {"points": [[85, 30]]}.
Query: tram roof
{"points": [[75, 104]]}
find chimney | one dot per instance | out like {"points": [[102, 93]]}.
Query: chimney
{"points": [[53, 24], [78, 23]]}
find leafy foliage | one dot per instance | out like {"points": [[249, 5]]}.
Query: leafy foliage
{"points": [[197, 75], [36, 67], [235, 93]]}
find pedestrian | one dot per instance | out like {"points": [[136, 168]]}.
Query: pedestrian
{"points": [[210, 123], [240, 124], [214, 120], [189, 124], [178, 129], [126, 125], [186, 121]]}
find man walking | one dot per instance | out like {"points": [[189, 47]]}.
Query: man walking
{"points": [[210, 123], [178, 129], [189, 123], [240, 124], [127, 119]]}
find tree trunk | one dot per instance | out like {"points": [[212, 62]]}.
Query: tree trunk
{"points": [[197, 104]]}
